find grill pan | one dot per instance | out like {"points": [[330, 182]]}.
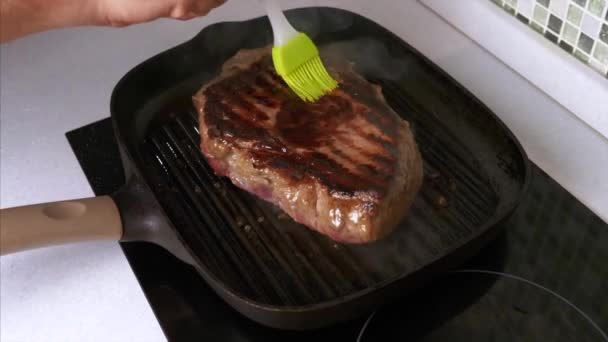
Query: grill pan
{"points": [[269, 268]]}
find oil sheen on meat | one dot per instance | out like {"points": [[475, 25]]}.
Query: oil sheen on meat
{"points": [[346, 166]]}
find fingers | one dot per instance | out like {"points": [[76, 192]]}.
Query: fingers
{"points": [[189, 9]]}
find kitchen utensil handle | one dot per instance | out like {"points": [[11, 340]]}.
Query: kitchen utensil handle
{"points": [[282, 29], [48, 224]]}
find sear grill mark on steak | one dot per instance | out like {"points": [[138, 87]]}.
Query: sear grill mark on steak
{"points": [[337, 165], [299, 125], [308, 126]]}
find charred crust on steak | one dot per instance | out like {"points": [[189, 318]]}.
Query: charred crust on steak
{"points": [[346, 166], [233, 113]]}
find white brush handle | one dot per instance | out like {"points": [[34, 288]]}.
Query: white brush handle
{"points": [[283, 31]]}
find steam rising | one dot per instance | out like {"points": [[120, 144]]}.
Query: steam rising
{"points": [[369, 56]]}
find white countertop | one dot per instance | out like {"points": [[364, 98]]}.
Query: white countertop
{"points": [[57, 81]]}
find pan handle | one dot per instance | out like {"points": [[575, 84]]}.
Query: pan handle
{"points": [[55, 223]]}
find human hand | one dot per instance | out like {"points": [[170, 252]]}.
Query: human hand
{"points": [[126, 12], [22, 17]]}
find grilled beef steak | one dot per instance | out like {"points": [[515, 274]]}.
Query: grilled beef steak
{"points": [[346, 166]]}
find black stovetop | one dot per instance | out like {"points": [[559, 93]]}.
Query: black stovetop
{"points": [[544, 279]]}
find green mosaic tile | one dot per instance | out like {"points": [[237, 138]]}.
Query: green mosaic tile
{"points": [[604, 33], [576, 26], [575, 14], [566, 47], [601, 53], [582, 3], [552, 37], [585, 43], [581, 56], [540, 14], [570, 34], [596, 7], [596, 65], [523, 19], [544, 2], [536, 27], [591, 26], [509, 9], [555, 24]]}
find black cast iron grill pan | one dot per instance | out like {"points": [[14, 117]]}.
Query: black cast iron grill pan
{"points": [[262, 263]]}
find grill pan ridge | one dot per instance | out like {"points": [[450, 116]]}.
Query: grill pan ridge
{"points": [[245, 243], [260, 260]]}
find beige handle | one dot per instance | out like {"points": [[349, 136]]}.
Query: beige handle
{"points": [[48, 224]]}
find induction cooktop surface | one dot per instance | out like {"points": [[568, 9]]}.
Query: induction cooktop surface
{"points": [[543, 279]]}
